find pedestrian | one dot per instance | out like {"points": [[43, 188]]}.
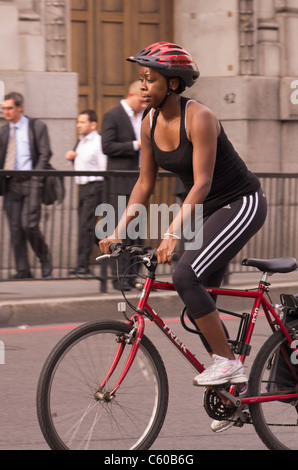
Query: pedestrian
{"points": [[87, 156], [184, 137], [122, 144], [24, 145]]}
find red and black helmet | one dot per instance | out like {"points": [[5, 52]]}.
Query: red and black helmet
{"points": [[169, 59]]}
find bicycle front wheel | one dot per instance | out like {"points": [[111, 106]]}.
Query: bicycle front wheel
{"points": [[71, 416], [276, 422]]}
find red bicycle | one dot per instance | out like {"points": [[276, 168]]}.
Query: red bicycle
{"points": [[104, 386]]}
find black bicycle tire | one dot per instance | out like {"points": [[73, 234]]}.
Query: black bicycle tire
{"points": [[255, 378], [42, 397]]}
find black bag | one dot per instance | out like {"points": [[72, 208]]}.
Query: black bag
{"points": [[281, 378], [53, 188]]}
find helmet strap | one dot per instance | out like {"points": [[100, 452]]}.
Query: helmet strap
{"points": [[169, 92]]}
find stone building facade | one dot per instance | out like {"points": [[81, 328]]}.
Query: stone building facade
{"points": [[36, 62], [248, 55], [246, 50]]}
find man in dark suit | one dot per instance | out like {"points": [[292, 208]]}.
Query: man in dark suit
{"points": [[121, 143], [24, 145]]}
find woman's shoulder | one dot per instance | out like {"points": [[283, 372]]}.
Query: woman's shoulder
{"points": [[200, 115], [198, 107]]}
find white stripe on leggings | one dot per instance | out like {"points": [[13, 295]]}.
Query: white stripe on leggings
{"points": [[235, 227]]}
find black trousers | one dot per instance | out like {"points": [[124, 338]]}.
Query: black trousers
{"points": [[225, 233], [90, 196], [22, 204]]}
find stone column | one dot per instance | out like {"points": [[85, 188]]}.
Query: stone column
{"points": [[31, 37], [9, 55], [287, 17], [57, 32], [268, 40]]}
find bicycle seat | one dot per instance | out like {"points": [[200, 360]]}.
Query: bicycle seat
{"points": [[273, 265]]}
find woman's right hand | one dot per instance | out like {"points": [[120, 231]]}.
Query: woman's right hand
{"points": [[104, 245]]}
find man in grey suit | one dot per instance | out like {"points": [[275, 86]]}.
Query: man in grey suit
{"points": [[121, 143], [24, 145]]}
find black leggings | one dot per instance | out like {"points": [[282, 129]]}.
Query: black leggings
{"points": [[225, 232]]}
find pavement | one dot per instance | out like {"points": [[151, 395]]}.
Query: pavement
{"points": [[41, 302]]}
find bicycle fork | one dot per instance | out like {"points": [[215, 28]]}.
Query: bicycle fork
{"points": [[134, 338]]}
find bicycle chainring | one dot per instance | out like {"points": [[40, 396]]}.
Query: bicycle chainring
{"points": [[215, 407]]}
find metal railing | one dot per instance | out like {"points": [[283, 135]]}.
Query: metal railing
{"points": [[59, 224], [279, 235]]}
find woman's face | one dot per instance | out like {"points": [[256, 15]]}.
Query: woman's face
{"points": [[153, 86]]}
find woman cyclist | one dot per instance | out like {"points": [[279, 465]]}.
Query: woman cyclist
{"points": [[186, 138]]}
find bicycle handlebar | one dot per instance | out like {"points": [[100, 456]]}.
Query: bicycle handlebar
{"points": [[143, 253]]}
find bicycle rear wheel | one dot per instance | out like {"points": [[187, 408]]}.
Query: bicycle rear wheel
{"points": [[276, 422], [70, 414]]}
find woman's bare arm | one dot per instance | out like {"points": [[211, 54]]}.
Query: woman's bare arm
{"points": [[142, 189]]}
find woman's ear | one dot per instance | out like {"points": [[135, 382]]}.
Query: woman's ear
{"points": [[174, 83]]}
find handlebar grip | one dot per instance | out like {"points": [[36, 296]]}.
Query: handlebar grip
{"points": [[113, 247]]}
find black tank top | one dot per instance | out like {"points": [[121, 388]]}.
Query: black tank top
{"points": [[231, 178]]}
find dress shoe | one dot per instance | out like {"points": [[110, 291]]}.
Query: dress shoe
{"points": [[79, 271], [22, 275], [46, 268]]}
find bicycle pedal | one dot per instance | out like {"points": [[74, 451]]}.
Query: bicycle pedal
{"points": [[243, 419]]}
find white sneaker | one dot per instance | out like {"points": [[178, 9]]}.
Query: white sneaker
{"points": [[220, 426], [223, 370]]}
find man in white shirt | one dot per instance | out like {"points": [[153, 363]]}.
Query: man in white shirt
{"points": [[88, 156]]}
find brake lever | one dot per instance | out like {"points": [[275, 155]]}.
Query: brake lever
{"points": [[115, 249], [99, 258]]}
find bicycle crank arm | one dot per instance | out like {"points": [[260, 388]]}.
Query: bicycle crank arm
{"points": [[236, 401]]}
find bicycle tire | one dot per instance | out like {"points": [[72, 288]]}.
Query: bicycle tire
{"points": [[275, 422], [69, 415]]}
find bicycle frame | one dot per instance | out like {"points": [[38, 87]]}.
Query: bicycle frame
{"points": [[144, 308]]}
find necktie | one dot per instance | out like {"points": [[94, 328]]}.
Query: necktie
{"points": [[11, 151]]}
